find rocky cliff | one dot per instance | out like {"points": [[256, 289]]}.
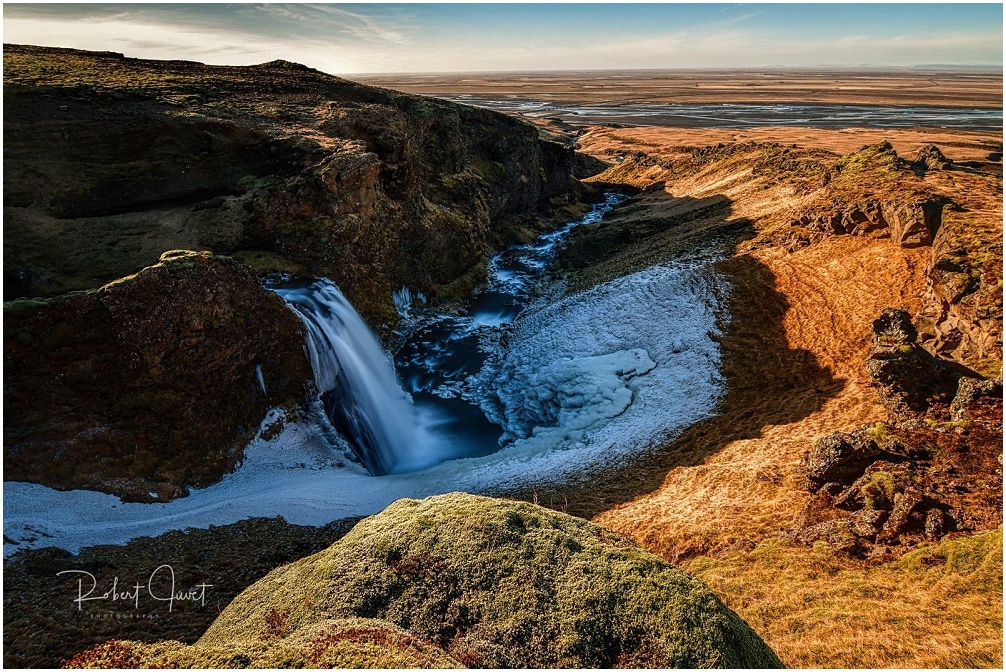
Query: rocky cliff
{"points": [[110, 161], [151, 384]]}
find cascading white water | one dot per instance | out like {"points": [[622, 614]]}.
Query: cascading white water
{"points": [[355, 378], [578, 380]]}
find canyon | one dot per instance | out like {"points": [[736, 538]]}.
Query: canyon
{"points": [[770, 356]]}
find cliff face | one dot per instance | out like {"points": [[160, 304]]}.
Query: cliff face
{"points": [[110, 161], [151, 384]]}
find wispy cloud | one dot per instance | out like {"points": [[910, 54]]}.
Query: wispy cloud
{"points": [[404, 38]]}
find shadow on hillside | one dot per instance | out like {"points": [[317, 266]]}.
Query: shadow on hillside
{"points": [[768, 383]]}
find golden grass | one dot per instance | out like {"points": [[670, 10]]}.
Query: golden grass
{"points": [[958, 145], [937, 607], [789, 385], [793, 356]]}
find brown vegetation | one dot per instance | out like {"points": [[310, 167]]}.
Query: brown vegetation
{"points": [[724, 493]]}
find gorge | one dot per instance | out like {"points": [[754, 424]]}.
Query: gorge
{"points": [[283, 330]]}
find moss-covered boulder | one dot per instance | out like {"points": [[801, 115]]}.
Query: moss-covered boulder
{"points": [[493, 583], [342, 643]]}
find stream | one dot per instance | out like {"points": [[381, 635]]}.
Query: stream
{"points": [[531, 383]]}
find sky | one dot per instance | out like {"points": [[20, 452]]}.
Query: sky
{"points": [[401, 38]]}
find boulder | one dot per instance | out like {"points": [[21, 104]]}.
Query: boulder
{"points": [[931, 158], [894, 327], [914, 223], [492, 583], [907, 378], [839, 457], [970, 390], [866, 523], [935, 524], [150, 385], [905, 504]]}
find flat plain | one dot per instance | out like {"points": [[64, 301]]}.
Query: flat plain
{"points": [[930, 87]]}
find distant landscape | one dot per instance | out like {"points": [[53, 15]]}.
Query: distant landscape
{"points": [[972, 87]]}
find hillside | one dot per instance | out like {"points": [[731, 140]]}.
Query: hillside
{"points": [[111, 161], [813, 225], [837, 504]]}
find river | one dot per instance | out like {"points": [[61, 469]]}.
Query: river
{"points": [[532, 383]]}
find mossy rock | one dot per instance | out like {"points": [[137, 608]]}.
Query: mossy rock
{"points": [[353, 643], [493, 583]]}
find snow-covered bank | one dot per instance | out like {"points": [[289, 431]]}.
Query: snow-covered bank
{"points": [[582, 381]]}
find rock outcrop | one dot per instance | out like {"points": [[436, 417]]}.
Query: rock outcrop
{"points": [[963, 314], [934, 468], [371, 188], [908, 379], [492, 583], [867, 195], [931, 158], [151, 384]]}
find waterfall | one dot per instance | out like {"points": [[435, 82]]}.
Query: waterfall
{"points": [[355, 377]]}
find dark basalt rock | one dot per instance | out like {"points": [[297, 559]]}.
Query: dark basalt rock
{"points": [[969, 390], [148, 385], [372, 188], [908, 379], [931, 158], [839, 457]]}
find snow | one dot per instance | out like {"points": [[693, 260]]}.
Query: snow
{"points": [[585, 380], [624, 363]]}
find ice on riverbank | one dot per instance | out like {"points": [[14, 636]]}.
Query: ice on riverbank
{"points": [[611, 370]]}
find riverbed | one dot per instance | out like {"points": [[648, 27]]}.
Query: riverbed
{"points": [[531, 384], [747, 115]]}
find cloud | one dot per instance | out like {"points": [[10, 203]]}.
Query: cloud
{"points": [[385, 38]]}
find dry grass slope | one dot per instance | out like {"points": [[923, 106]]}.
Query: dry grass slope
{"points": [[718, 497], [937, 607]]}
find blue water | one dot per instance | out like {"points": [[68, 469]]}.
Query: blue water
{"points": [[737, 115]]}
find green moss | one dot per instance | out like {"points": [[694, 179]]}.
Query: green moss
{"points": [[879, 159], [462, 288], [491, 171], [880, 490], [22, 308], [493, 583], [505, 584], [118, 282], [970, 563], [263, 261], [878, 432]]}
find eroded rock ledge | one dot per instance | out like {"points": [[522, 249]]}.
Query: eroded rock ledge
{"points": [[110, 161], [150, 384]]}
